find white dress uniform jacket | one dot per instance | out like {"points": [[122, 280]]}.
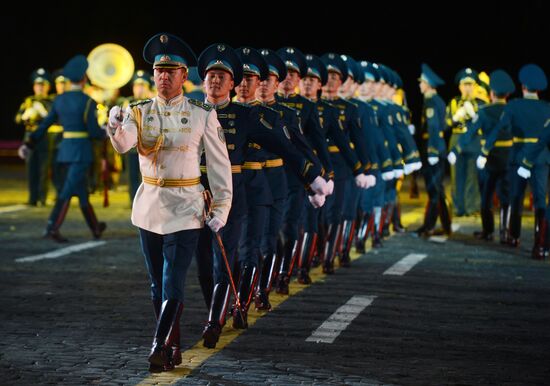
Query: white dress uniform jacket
{"points": [[170, 137]]}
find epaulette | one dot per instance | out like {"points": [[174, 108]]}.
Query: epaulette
{"points": [[141, 102], [200, 104]]}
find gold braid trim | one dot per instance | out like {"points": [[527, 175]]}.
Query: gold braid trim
{"points": [[142, 149]]}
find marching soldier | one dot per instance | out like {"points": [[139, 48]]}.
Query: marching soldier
{"points": [[308, 118], [433, 118], [339, 145], [77, 113], [55, 136], [497, 167], [348, 121], [274, 170], [170, 132], [372, 200], [221, 69], [31, 113], [461, 110], [528, 118]]}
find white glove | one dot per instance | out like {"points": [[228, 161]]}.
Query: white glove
{"points": [[481, 161], [469, 109], [524, 172], [361, 181], [319, 186], [371, 181], [215, 224], [398, 173], [29, 113], [451, 157], [317, 200], [433, 160], [115, 118], [330, 185], [409, 168], [460, 114], [23, 151], [417, 165], [40, 109], [412, 129], [387, 176]]}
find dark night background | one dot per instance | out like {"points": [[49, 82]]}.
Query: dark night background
{"points": [[447, 36]]}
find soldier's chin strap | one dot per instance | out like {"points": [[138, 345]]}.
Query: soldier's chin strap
{"points": [[207, 212]]}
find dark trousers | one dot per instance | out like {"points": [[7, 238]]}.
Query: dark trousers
{"points": [[167, 258], [37, 172], [251, 236], [274, 222], [495, 181]]}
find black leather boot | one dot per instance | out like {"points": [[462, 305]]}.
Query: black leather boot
{"points": [[504, 223], [487, 225], [97, 227], [160, 357], [281, 285], [216, 316], [540, 230], [303, 258], [331, 249], [347, 241], [55, 221], [515, 227], [247, 283], [261, 299]]}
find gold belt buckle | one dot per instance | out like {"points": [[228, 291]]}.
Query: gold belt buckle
{"points": [[160, 181]]}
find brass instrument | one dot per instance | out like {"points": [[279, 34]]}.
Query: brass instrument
{"points": [[110, 66]]}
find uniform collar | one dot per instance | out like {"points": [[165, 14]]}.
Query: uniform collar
{"points": [[531, 96], [218, 106], [270, 103], [291, 95], [170, 102]]}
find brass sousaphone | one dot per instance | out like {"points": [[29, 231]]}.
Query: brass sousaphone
{"points": [[110, 66]]}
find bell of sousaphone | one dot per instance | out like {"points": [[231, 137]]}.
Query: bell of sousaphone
{"points": [[110, 66]]}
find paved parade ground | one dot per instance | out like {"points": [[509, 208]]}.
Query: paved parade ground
{"points": [[416, 312]]}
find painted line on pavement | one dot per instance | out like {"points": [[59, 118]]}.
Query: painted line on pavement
{"points": [[405, 264], [329, 330], [196, 355], [12, 208], [60, 252]]}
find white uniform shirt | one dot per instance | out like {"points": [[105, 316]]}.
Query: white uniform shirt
{"points": [[186, 127]]}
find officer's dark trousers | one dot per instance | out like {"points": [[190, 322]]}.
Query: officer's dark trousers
{"points": [[58, 172], [351, 199], [251, 236], [274, 222], [373, 197], [466, 189], [335, 202], [210, 261], [538, 183], [293, 212], [37, 172], [167, 258], [495, 181], [433, 175], [75, 182]]}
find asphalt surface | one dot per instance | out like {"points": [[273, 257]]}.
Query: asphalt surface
{"points": [[470, 313]]}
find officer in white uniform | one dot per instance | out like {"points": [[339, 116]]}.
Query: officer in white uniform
{"points": [[170, 132]]}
